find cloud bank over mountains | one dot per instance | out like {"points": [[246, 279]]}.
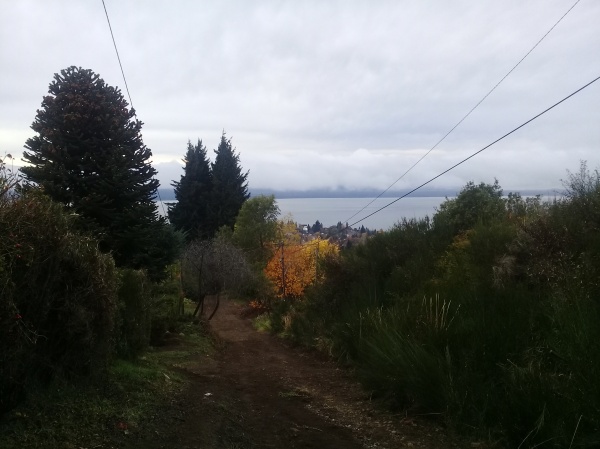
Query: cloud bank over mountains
{"points": [[328, 95]]}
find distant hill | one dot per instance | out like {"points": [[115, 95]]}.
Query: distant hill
{"points": [[348, 193], [166, 194], [169, 195]]}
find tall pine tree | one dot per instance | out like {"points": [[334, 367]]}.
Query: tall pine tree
{"points": [[230, 188], [193, 192], [89, 155]]}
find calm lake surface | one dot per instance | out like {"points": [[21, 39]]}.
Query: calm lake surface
{"points": [[331, 210]]}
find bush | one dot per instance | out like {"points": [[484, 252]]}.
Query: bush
{"points": [[399, 366], [166, 305], [57, 297], [146, 310], [506, 343], [212, 267], [134, 313]]}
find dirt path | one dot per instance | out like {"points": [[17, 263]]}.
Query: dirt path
{"points": [[260, 393]]}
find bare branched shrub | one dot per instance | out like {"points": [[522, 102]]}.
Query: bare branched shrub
{"points": [[583, 184], [211, 267], [9, 179]]}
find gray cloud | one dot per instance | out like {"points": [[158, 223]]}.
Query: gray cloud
{"points": [[327, 94]]}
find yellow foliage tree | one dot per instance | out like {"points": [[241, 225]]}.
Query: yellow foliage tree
{"points": [[288, 231], [294, 267]]}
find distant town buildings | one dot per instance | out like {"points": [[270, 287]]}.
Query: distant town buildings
{"points": [[343, 235]]}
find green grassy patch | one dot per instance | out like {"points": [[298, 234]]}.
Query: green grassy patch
{"points": [[262, 323], [296, 393], [111, 412]]}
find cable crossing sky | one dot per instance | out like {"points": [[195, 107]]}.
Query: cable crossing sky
{"points": [[479, 151], [467, 114]]}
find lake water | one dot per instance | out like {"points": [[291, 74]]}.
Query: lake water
{"points": [[331, 210]]}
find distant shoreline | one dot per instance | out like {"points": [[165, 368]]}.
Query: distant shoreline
{"points": [[167, 194]]}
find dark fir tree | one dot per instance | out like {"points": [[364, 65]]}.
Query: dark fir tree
{"points": [[230, 188], [89, 155], [193, 193]]}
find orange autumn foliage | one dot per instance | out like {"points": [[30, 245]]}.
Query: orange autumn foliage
{"points": [[294, 267]]}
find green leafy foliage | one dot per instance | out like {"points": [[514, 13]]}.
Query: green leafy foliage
{"points": [[57, 297], [146, 310], [134, 313], [256, 227], [486, 316], [474, 204], [64, 308]]}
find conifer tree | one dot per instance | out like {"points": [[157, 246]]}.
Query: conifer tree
{"points": [[193, 193], [89, 155], [230, 188]]}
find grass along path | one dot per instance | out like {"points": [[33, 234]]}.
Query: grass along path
{"points": [[258, 392], [253, 391]]}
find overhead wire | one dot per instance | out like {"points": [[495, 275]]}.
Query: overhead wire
{"points": [[118, 57], [128, 93], [479, 151], [466, 115], [429, 151]]}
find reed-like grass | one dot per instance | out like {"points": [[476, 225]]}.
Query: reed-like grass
{"points": [[493, 328]]}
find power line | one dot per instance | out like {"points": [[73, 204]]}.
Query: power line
{"points": [[128, 94], [466, 115], [118, 57], [479, 151]]}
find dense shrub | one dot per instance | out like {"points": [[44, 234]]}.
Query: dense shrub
{"points": [[146, 310], [134, 318], [57, 297], [474, 204], [166, 305], [487, 317], [211, 267]]}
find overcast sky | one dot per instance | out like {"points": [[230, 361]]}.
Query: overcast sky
{"points": [[327, 94]]}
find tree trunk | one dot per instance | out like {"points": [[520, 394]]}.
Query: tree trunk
{"points": [[200, 306], [216, 307]]}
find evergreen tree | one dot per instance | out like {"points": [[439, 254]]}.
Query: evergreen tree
{"points": [[230, 188], [89, 155], [193, 193]]}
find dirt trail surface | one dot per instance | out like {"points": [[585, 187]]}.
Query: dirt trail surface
{"points": [[258, 392]]}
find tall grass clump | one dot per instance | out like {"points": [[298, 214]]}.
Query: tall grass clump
{"points": [[486, 316], [395, 364]]}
